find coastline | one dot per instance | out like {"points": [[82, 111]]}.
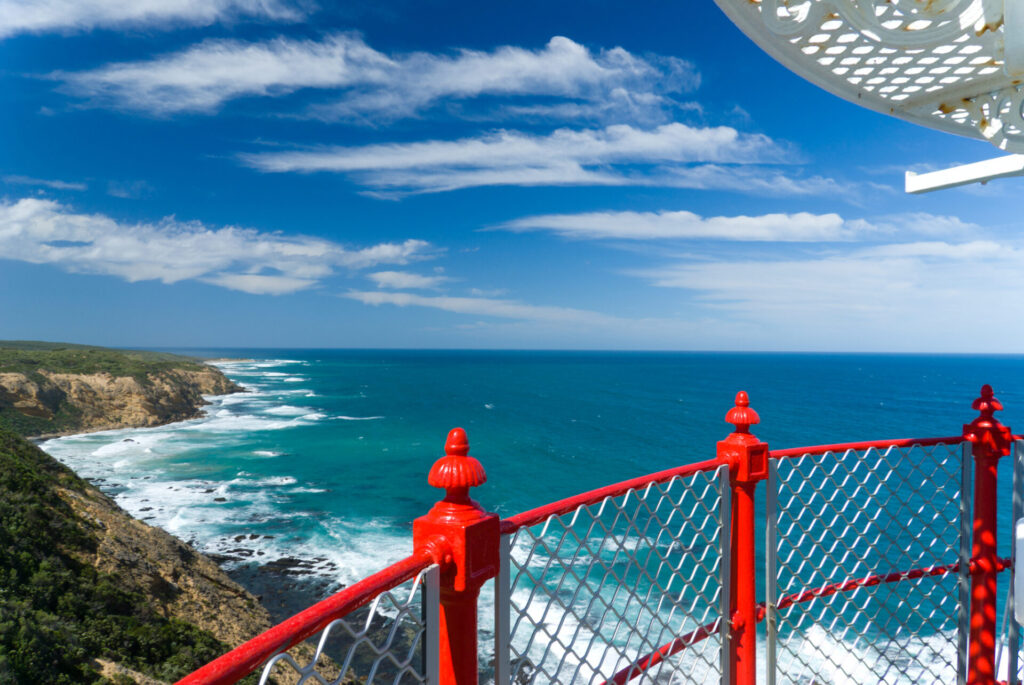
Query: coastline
{"points": [[283, 586]]}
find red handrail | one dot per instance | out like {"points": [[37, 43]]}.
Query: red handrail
{"points": [[529, 518], [867, 444], [533, 516], [245, 658], [644, 663]]}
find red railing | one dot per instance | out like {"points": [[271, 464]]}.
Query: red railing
{"points": [[246, 658], [464, 540]]}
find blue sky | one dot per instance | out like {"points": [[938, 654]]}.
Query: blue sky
{"points": [[582, 175]]}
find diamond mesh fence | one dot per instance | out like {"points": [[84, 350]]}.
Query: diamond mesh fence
{"points": [[867, 542], [594, 590], [383, 642]]}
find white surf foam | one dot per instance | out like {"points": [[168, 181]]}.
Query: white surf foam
{"points": [[287, 410]]}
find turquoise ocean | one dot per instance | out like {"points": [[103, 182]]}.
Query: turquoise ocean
{"points": [[325, 458]]}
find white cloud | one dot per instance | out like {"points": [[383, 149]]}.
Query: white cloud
{"points": [[684, 225], [800, 226], [922, 296], [605, 156], [16, 179], [403, 280], [66, 16], [602, 85], [483, 306], [510, 323], [45, 232]]}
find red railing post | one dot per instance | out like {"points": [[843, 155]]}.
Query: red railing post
{"points": [[989, 440], [464, 540], [747, 458]]}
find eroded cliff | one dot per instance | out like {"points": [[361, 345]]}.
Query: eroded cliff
{"points": [[62, 390]]}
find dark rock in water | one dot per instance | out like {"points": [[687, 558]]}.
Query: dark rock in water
{"points": [[239, 538], [208, 490], [254, 536], [220, 499], [146, 509]]}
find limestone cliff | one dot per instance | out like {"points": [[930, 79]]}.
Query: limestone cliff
{"points": [[73, 390]]}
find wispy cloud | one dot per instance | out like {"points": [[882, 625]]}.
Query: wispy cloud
{"points": [[614, 155], [46, 232], [66, 16], [603, 85], [866, 298], [684, 225], [800, 226], [15, 179], [128, 190], [403, 280], [507, 322], [484, 306]]}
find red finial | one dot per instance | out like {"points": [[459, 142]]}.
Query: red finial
{"points": [[742, 416], [987, 403], [457, 471]]}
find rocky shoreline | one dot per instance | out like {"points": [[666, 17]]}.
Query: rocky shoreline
{"points": [[78, 390], [283, 586]]}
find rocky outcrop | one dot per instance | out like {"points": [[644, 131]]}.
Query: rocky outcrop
{"points": [[85, 589], [179, 581], [102, 401]]}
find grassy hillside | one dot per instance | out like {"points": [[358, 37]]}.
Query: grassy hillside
{"points": [[28, 356], [33, 401], [56, 613]]}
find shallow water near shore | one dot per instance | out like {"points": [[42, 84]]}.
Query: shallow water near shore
{"points": [[317, 472]]}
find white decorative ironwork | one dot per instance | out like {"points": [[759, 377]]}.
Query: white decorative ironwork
{"points": [[393, 640], [863, 566], [595, 590], [948, 64]]}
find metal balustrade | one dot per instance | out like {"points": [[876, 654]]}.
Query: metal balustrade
{"points": [[836, 517], [387, 641], [879, 565], [593, 589]]}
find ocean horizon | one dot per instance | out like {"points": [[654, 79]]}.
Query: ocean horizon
{"points": [[325, 456]]}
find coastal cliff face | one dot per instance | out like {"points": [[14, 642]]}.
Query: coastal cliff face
{"points": [[88, 594], [180, 582], [61, 390], [102, 401], [91, 595]]}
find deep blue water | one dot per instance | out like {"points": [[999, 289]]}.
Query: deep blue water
{"points": [[329, 452]]}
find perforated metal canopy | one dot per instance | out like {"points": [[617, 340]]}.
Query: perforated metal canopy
{"points": [[953, 65]]}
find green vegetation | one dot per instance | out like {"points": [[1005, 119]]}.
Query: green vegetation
{"points": [[56, 613], [28, 357], [55, 412], [67, 417]]}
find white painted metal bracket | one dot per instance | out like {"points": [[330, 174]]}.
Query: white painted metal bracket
{"points": [[978, 172]]}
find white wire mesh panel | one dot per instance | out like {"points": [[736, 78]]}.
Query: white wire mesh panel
{"points": [[597, 588], [383, 642], [856, 523]]}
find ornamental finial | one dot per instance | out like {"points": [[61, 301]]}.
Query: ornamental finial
{"points": [[742, 416], [457, 472], [987, 403]]}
